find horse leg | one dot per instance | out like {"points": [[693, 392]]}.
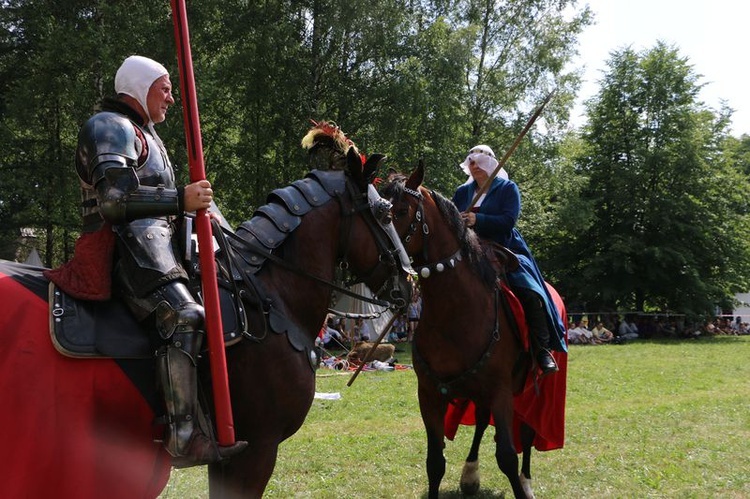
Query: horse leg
{"points": [[505, 452], [244, 476], [432, 406], [470, 474], [527, 440]]}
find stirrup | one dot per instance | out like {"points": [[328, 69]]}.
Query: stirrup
{"points": [[203, 450], [548, 367]]}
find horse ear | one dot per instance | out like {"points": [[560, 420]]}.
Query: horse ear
{"points": [[372, 165], [354, 165], [417, 177]]}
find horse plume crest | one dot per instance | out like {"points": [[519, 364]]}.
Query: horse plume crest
{"points": [[326, 141]]}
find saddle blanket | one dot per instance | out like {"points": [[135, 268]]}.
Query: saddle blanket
{"points": [[69, 428]]}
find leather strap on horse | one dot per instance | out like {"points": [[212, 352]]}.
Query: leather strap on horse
{"points": [[299, 271], [445, 387]]}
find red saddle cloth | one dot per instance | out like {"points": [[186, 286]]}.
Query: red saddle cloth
{"points": [[70, 428], [540, 405]]}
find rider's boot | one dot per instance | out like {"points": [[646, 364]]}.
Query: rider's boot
{"points": [[538, 331], [184, 439]]}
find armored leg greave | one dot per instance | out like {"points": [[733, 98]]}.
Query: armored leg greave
{"points": [[178, 380], [180, 320]]}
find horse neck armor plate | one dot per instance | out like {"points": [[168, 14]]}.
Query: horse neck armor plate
{"points": [[274, 221]]}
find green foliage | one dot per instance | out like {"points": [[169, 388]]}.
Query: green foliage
{"points": [[48, 89], [666, 224], [643, 210]]}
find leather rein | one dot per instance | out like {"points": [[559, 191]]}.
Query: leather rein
{"points": [[386, 251]]}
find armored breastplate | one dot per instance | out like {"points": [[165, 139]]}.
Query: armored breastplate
{"points": [[156, 170]]}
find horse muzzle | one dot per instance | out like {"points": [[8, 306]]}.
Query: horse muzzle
{"points": [[397, 291]]}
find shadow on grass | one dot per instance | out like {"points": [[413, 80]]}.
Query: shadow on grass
{"points": [[456, 494]]}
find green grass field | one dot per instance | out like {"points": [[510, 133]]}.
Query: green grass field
{"points": [[661, 419]]}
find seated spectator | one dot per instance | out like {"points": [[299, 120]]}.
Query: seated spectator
{"points": [[330, 337], [340, 326], [399, 330], [666, 329], [363, 330], [579, 335], [628, 329], [710, 329], [736, 325], [601, 334]]}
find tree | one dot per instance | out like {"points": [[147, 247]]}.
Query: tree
{"points": [[412, 79], [668, 225], [47, 91]]}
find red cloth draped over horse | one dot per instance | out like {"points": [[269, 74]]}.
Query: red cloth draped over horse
{"points": [[541, 406], [70, 427]]}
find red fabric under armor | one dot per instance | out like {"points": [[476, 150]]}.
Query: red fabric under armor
{"points": [[88, 275]]}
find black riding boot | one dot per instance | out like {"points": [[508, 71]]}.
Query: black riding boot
{"points": [[184, 439], [538, 330]]}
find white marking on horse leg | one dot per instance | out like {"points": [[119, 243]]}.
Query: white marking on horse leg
{"points": [[526, 484], [470, 478]]}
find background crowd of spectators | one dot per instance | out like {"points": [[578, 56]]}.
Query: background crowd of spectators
{"points": [[615, 328]]}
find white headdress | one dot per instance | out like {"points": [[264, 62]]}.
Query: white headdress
{"points": [[484, 157], [135, 77]]}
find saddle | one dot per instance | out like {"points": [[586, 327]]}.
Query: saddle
{"points": [[107, 329], [501, 258]]}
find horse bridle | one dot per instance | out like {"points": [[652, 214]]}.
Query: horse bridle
{"points": [[377, 216], [386, 252], [444, 386], [419, 221]]}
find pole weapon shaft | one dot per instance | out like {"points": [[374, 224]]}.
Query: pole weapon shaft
{"points": [[504, 159], [372, 349], [214, 328]]}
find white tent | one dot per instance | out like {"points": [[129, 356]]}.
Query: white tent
{"points": [[350, 305], [34, 259]]}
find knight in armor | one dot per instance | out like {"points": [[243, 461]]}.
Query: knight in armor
{"points": [[493, 218], [131, 204]]}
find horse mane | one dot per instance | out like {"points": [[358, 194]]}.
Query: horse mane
{"points": [[471, 250]]}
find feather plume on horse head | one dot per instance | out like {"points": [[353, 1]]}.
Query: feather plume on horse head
{"points": [[328, 146]]}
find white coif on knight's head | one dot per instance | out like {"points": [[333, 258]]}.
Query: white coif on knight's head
{"points": [[135, 77]]}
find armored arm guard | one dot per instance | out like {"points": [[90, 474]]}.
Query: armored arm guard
{"points": [[122, 198], [107, 163]]}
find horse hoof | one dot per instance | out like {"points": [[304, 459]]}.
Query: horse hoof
{"points": [[470, 489]]}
